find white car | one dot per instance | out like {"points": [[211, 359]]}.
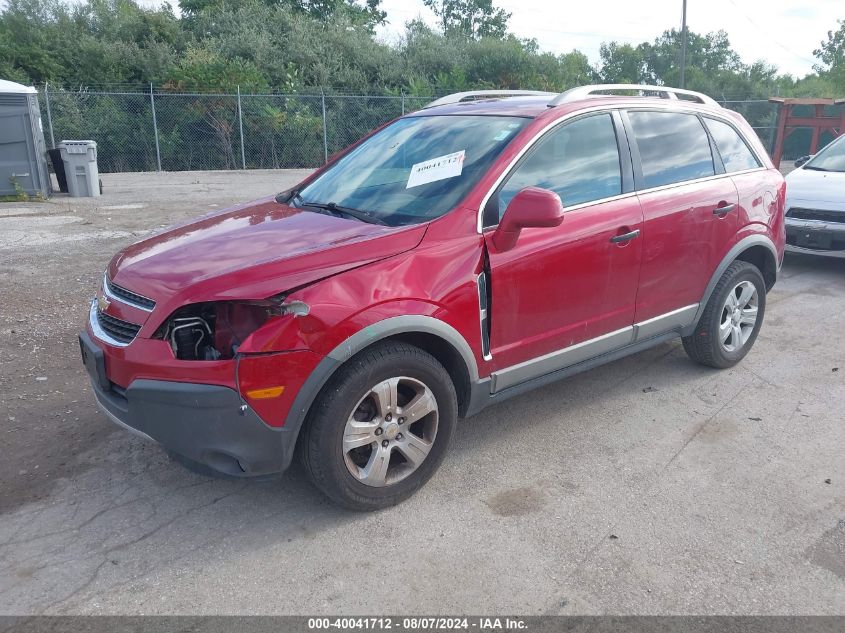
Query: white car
{"points": [[815, 203]]}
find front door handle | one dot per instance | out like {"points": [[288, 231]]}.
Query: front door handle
{"points": [[625, 237], [724, 209]]}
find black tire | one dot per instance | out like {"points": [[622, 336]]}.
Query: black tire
{"points": [[704, 345], [321, 442]]}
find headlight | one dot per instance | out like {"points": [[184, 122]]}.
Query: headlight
{"points": [[215, 330]]}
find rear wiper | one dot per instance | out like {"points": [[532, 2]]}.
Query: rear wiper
{"points": [[336, 209]]}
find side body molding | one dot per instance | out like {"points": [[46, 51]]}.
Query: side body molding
{"points": [[744, 244], [409, 323], [675, 321]]}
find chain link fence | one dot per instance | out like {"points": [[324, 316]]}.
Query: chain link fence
{"points": [[162, 130]]}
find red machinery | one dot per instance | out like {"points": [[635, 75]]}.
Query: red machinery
{"points": [[788, 121]]}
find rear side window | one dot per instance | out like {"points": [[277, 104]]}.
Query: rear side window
{"points": [[579, 161], [673, 147], [734, 152]]}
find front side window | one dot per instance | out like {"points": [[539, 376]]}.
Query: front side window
{"points": [[414, 170], [673, 147], [734, 152], [579, 161]]}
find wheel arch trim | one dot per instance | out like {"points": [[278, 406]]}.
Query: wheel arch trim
{"points": [[732, 255], [404, 324]]}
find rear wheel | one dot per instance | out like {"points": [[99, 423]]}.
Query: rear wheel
{"points": [[380, 427], [732, 318]]}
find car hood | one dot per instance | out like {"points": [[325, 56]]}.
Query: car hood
{"points": [[252, 251], [816, 189]]}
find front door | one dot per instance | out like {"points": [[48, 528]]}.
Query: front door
{"points": [[565, 286]]}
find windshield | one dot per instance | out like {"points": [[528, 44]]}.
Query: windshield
{"points": [[831, 158], [414, 170]]}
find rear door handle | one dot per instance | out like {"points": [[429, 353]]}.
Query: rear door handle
{"points": [[724, 209], [625, 237]]}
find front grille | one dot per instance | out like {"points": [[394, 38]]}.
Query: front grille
{"points": [[816, 214], [128, 296], [118, 329]]}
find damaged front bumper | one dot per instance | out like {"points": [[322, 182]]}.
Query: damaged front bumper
{"points": [[204, 424]]}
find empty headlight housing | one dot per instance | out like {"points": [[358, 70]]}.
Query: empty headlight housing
{"points": [[215, 330]]}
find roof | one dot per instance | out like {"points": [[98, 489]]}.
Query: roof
{"points": [[532, 103], [10, 87], [509, 106], [533, 107]]}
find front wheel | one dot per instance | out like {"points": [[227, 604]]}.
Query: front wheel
{"points": [[380, 427], [731, 319]]}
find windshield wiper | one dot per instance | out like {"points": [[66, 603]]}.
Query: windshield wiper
{"points": [[339, 210], [287, 196], [814, 168]]}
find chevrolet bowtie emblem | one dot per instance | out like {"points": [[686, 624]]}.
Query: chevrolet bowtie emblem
{"points": [[102, 303]]}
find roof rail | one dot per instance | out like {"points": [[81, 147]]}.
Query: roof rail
{"points": [[475, 95], [665, 92]]}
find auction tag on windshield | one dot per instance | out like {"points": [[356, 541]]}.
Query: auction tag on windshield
{"points": [[439, 168]]}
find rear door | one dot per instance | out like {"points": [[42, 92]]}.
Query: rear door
{"points": [[758, 191], [689, 212]]}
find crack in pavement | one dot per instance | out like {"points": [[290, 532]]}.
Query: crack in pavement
{"points": [[123, 546]]}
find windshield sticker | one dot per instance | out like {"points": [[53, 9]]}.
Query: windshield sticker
{"points": [[501, 136], [439, 168]]}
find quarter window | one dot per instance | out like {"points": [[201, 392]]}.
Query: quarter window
{"points": [[579, 161], [673, 147], [734, 152]]}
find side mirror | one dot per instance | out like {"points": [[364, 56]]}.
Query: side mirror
{"points": [[802, 160], [531, 207]]}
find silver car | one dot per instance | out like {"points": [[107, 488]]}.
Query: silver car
{"points": [[815, 203]]}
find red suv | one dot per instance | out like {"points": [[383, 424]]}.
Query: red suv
{"points": [[483, 246]]}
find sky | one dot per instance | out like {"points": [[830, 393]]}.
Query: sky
{"points": [[781, 32]]}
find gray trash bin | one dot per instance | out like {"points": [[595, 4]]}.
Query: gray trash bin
{"points": [[80, 159]]}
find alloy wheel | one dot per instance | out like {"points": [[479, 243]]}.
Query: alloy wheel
{"points": [[390, 431], [739, 316]]}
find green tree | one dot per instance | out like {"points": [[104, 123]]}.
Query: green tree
{"points": [[713, 67], [28, 38], [363, 12], [470, 18], [92, 43], [621, 63], [293, 46], [204, 69], [831, 54], [832, 51], [368, 12], [710, 53]]}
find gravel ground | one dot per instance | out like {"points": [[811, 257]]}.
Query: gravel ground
{"points": [[648, 486]]}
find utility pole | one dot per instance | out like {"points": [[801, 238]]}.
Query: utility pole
{"points": [[683, 44]]}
